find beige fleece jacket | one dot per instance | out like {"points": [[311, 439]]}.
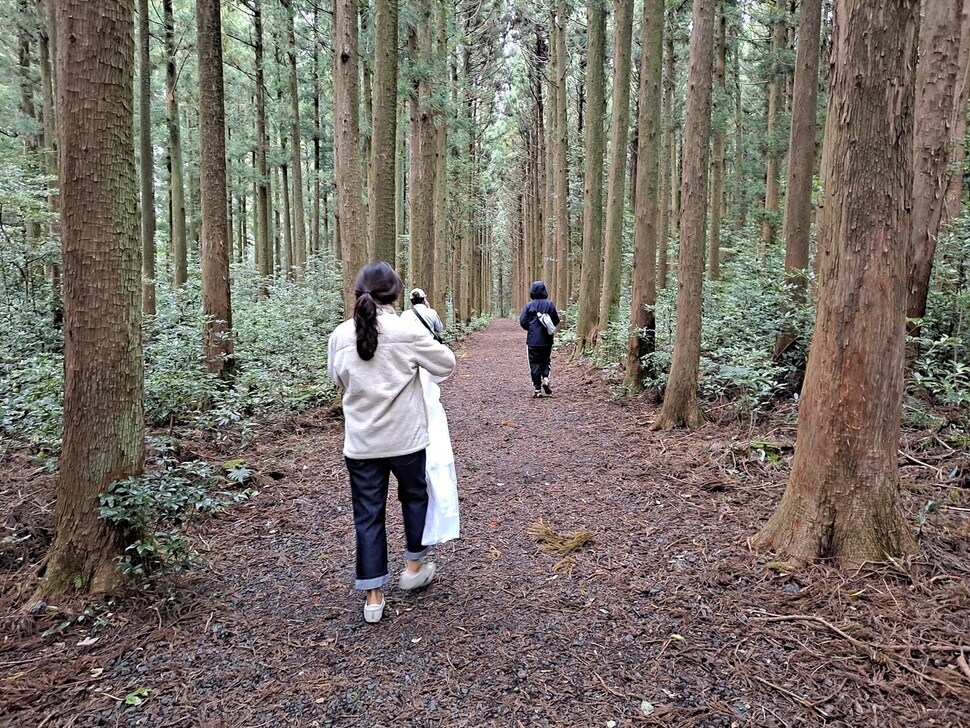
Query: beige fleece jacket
{"points": [[384, 411]]}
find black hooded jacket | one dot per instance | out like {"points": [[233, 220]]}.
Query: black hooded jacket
{"points": [[538, 336]]}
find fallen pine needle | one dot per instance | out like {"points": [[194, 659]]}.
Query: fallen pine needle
{"points": [[553, 542]]}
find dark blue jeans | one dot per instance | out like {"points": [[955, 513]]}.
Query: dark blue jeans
{"points": [[368, 489], [539, 358]]}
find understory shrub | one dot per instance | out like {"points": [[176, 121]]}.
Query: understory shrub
{"points": [[155, 512]]}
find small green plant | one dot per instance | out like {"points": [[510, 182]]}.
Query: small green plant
{"points": [[155, 512], [922, 515]]}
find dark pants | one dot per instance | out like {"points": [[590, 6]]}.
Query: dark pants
{"points": [[368, 489], [539, 357]]}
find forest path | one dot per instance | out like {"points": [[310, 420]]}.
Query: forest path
{"points": [[657, 620]]}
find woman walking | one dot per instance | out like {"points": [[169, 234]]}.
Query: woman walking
{"points": [[376, 357]]}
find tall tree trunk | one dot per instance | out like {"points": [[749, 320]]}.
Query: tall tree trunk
{"points": [[616, 190], [670, 187], [216, 306], [176, 183], [423, 148], [315, 248], [296, 144], [147, 159], [646, 230], [958, 129], [441, 246], [936, 78], [717, 147], [560, 149], [680, 406], [591, 275], [801, 163], [264, 200], [45, 54], [346, 96], [382, 196], [842, 499], [104, 427], [769, 228]]}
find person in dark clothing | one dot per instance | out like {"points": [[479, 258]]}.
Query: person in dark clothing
{"points": [[539, 340]]}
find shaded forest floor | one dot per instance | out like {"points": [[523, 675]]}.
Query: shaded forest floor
{"points": [[665, 618]]}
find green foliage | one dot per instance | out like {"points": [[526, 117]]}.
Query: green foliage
{"points": [[742, 315], [155, 512], [942, 365]]}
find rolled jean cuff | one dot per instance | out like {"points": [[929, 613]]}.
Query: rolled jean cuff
{"points": [[415, 555], [378, 582]]}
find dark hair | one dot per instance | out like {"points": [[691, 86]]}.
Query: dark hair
{"points": [[377, 283], [417, 299]]}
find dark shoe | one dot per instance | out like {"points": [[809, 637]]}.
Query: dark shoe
{"points": [[421, 578], [545, 385]]}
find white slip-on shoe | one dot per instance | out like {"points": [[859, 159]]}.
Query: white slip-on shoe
{"points": [[422, 577], [373, 612]]}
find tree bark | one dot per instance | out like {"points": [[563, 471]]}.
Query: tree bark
{"points": [[591, 274], [769, 228], [346, 92], [717, 148], [176, 183], [680, 406], [216, 305], [669, 180], [147, 160], [382, 197], [842, 499], [936, 80], [423, 148], [104, 429], [616, 191], [296, 149], [264, 200], [801, 164], [958, 130], [646, 231], [560, 152]]}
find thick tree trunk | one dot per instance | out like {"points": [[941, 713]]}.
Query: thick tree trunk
{"points": [[842, 499], [717, 149], [104, 428], [382, 197], [646, 231], [147, 160], [217, 338], [591, 274], [179, 245], [616, 191], [801, 163], [346, 92], [936, 78], [680, 406]]}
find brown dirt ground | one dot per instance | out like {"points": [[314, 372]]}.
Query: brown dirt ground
{"points": [[665, 618]]}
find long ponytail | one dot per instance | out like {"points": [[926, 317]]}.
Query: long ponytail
{"points": [[377, 284]]}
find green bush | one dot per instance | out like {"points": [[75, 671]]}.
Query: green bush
{"points": [[156, 511]]}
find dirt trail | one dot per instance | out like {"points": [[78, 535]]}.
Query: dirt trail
{"points": [[659, 620]]}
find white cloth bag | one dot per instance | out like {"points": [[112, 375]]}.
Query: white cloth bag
{"points": [[441, 523]]}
